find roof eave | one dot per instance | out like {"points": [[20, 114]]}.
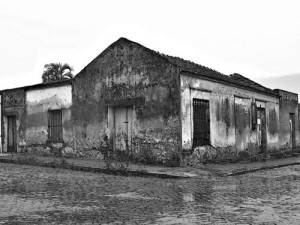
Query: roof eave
{"points": [[41, 85], [209, 78]]}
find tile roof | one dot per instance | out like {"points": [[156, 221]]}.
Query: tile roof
{"points": [[202, 70], [186, 65], [239, 79], [196, 68], [42, 85]]}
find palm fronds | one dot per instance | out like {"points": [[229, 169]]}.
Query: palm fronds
{"points": [[56, 72]]}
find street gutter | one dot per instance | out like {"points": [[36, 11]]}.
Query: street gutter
{"points": [[261, 168]]}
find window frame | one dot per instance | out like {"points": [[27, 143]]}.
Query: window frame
{"points": [[55, 128], [197, 140]]}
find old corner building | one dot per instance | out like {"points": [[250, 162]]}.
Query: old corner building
{"points": [[132, 99]]}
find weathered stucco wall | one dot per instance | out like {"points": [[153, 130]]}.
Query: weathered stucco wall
{"points": [[38, 102], [126, 75], [298, 125], [13, 104], [288, 104], [0, 123], [231, 115]]}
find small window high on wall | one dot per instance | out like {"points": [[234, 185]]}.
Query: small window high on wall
{"points": [[55, 125]]}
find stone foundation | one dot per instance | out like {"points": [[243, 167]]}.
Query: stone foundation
{"points": [[59, 150]]}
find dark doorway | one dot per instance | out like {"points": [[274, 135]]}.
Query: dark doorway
{"points": [[292, 131], [201, 121], [261, 129], [11, 134]]}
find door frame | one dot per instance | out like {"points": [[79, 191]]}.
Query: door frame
{"points": [[55, 125], [193, 118]]}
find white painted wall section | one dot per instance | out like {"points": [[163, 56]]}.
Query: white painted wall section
{"points": [[62, 95], [38, 103]]}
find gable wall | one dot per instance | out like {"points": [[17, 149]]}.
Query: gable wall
{"points": [[126, 75]]}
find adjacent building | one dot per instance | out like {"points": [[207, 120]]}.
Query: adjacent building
{"points": [[132, 99]]}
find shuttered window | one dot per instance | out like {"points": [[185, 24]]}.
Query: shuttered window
{"points": [[201, 121], [55, 125]]}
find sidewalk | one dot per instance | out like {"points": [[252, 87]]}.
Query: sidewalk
{"points": [[232, 169], [134, 169], [95, 165]]}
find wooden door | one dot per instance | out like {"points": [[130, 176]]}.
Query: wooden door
{"points": [[123, 128], [11, 134], [292, 131], [261, 129]]}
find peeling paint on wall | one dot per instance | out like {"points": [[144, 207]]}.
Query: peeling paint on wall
{"points": [[125, 75], [223, 113], [273, 118], [242, 109], [230, 115], [13, 104], [38, 102], [288, 103]]}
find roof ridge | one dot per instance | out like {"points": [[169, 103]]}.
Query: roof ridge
{"points": [[190, 66], [167, 57]]}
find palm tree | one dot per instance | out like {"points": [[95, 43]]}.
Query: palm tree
{"points": [[56, 72]]}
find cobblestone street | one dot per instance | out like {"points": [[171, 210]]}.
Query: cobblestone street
{"points": [[36, 195]]}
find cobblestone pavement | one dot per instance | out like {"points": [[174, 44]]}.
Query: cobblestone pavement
{"points": [[36, 195]]}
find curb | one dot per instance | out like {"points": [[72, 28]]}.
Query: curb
{"points": [[261, 168], [73, 167]]}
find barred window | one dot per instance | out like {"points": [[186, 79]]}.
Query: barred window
{"points": [[55, 125], [201, 121]]}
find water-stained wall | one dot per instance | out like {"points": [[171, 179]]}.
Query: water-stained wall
{"points": [[288, 106], [13, 104], [38, 102], [0, 123], [242, 122], [126, 75], [233, 117]]}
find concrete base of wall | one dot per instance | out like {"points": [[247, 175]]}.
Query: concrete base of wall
{"points": [[209, 154]]}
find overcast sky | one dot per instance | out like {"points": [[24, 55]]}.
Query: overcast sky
{"points": [[258, 39]]}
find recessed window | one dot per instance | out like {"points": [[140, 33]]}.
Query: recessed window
{"points": [[55, 125], [201, 121]]}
